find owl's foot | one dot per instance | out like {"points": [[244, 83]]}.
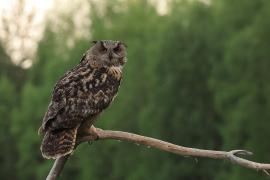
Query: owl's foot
{"points": [[93, 133], [89, 133]]}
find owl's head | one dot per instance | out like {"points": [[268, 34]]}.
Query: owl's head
{"points": [[107, 53]]}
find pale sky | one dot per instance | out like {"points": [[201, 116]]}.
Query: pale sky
{"points": [[23, 49], [18, 45], [39, 4]]}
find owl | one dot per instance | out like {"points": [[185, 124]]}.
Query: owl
{"points": [[80, 96]]}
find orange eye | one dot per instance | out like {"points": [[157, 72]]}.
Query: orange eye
{"points": [[116, 49]]}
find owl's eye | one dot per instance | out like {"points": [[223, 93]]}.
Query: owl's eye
{"points": [[116, 49]]}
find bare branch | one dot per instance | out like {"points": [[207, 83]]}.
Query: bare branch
{"points": [[164, 146], [57, 167]]}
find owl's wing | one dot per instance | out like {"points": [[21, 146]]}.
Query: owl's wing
{"points": [[53, 109], [61, 96], [57, 104]]}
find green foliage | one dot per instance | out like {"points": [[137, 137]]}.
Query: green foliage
{"points": [[197, 76], [242, 89]]}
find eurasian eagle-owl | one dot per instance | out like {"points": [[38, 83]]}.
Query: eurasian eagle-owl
{"points": [[80, 96]]}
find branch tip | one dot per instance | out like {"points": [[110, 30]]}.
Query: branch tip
{"points": [[241, 152]]}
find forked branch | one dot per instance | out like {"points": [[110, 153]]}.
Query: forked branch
{"points": [[164, 146]]}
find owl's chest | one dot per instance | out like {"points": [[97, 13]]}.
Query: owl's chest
{"points": [[100, 83]]}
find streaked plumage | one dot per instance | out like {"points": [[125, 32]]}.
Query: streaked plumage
{"points": [[80, 96]]}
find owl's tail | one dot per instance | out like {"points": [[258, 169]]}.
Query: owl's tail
{"points": [[58, 143]]}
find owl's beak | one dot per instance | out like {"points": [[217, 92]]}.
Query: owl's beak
{"points": [[110, 55]]}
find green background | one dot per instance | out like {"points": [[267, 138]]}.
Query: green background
{"points": [[197, 76]]}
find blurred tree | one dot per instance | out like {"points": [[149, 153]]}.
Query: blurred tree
{"points": [[8, 97], [182, 108], [19, 32], [241, 83]]}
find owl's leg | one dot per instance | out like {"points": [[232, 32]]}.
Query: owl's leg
{"points": [[87, 129], [93, 132]]}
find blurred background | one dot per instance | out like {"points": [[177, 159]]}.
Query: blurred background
{"points": [[197, 75]]}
